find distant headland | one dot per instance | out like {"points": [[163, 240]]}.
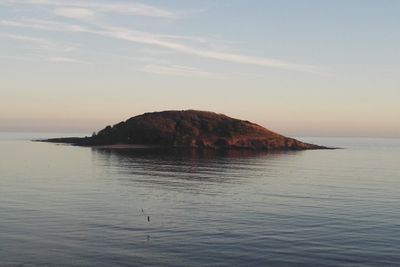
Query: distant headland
{"points": [[188, 129]]}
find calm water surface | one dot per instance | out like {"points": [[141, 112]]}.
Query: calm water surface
{"points": [[72, 206]]}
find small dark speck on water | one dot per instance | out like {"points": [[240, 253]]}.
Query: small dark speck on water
{"points": [[148, 218]]}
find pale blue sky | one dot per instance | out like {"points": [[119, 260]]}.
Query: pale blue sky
{"points": [[311, 68]]}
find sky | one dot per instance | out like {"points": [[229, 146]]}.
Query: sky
{"points": [[301, 68]]}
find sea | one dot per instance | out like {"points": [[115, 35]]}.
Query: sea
{"points": [[63, 205]]}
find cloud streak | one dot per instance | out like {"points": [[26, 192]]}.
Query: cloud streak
{"points": [[163, 41], [41, 43], [67, 60], [175, 70], [75, 13], [43, 25], [101, 7], [157, 40]]}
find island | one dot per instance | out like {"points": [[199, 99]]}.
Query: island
{"points": [[188, 129]]}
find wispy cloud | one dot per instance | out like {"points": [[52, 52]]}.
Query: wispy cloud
{"points": [[75, 13], [128, 8], [175, 70], [23, 58], [163, 41], [44, 25], [40, 43], [150, 60], [67, 60], [160, 41]]}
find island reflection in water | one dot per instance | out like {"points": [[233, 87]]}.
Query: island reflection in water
{"points": [[189, 167]]}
